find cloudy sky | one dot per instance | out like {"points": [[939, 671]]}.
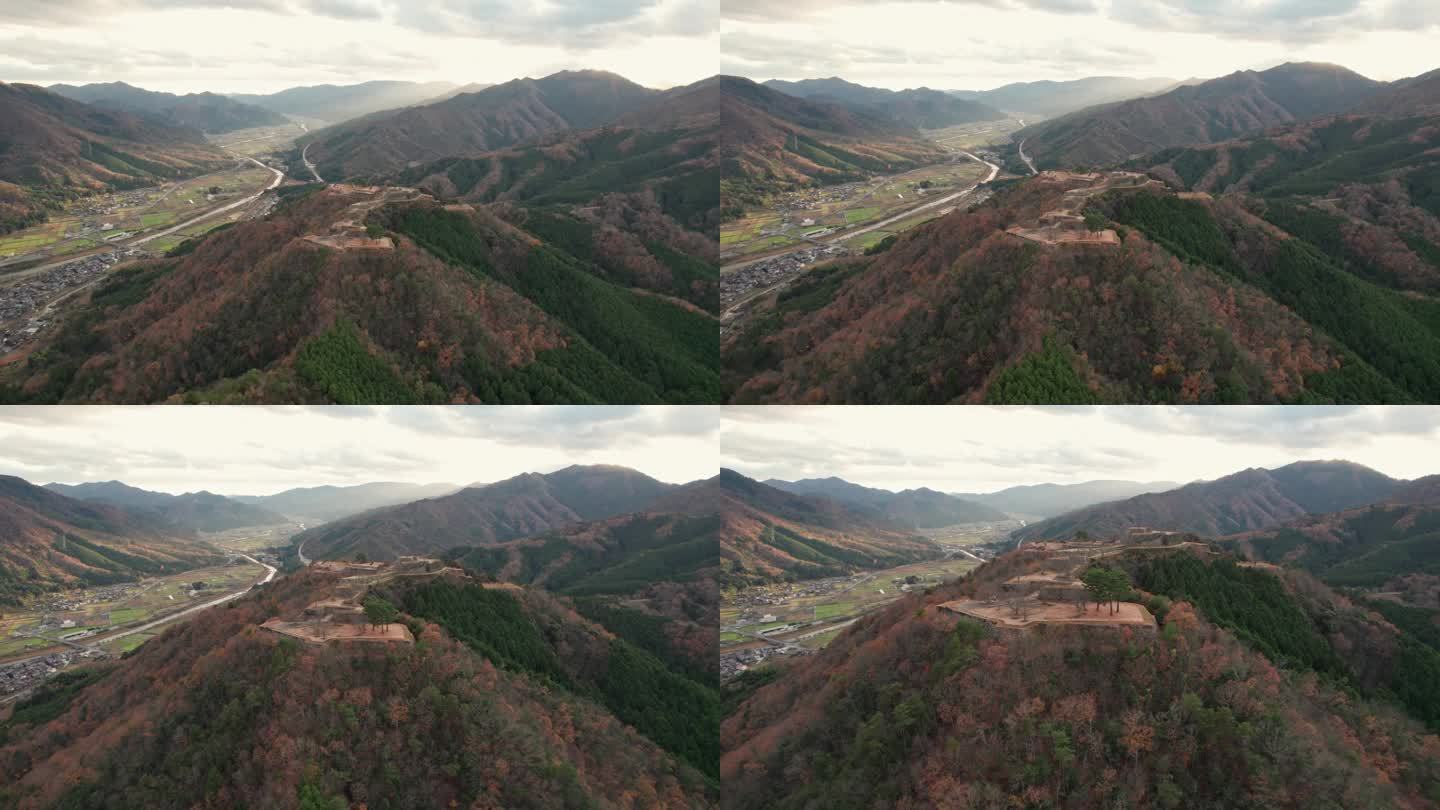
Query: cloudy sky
{"points": [[981, 44], [262, 46], [982, 449], [255, 450]]}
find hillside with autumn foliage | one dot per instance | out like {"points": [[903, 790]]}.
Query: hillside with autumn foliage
{"points": [[1249, 688], [1243, 102], [506, 698], [1105, 287], [771, 141], [49, 542], [58, 149], [1243, 501], [360, 295], [768, 534]]}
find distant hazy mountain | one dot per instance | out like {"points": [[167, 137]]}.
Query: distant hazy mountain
{"points": [[1048, 500], [201, 511], [522, 506], [493, 118], [48, 541], [1243, 102], [336, 103], [912, 508], [208, 112], [769, 534], [1050, 98], [326, 503], [921, 107], [1245, 501], [1417, 94]]}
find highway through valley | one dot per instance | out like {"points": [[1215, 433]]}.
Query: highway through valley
{"points": [[92, 642], [843, 235]]}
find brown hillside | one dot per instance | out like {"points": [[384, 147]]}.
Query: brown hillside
{"points": [[1243, 102], [49, 541], [490, 119], [526, 505], [57, 148], [767, 533]]}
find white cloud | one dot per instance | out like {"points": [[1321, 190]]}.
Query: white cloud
{"points": [[268, 45], [979, 44], [977, 448], [258, 450]]}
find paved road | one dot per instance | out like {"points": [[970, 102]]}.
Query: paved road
{"points": [[93, 642], [305, 156], [301, 553], [22, 274], [1025, 157], [839, 236], [279, 176], [270, 572]]}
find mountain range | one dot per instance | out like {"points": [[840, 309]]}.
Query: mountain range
{"points": [[1052, 98], [921, 108], [336, 103], [1048, 500], [1230, 272], [1385, 544], [51, 542], [196, 511], [1244, 501], [326, 503], [350, 295], [479, 681], [1243, 102], [772, 141], [207, 112], [496, 117], [920, 508], [522, 506], [586, 276], [662, 157], [923, 703], [768, 534], [58, 149]]}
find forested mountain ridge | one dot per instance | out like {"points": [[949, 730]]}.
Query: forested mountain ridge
{"points": [[508, 698], [207, 112], [59, 149], [771, 141], [921, 107], [493, 118], [768, 534], [649, 576], [1243, 102], [523, 506], [202, 511], [1360, 188], [51, 542], [1250, 499], [638, 199], [918, 705], [349, 294], [919, 508], [1068, 288], [1385, 545]]}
